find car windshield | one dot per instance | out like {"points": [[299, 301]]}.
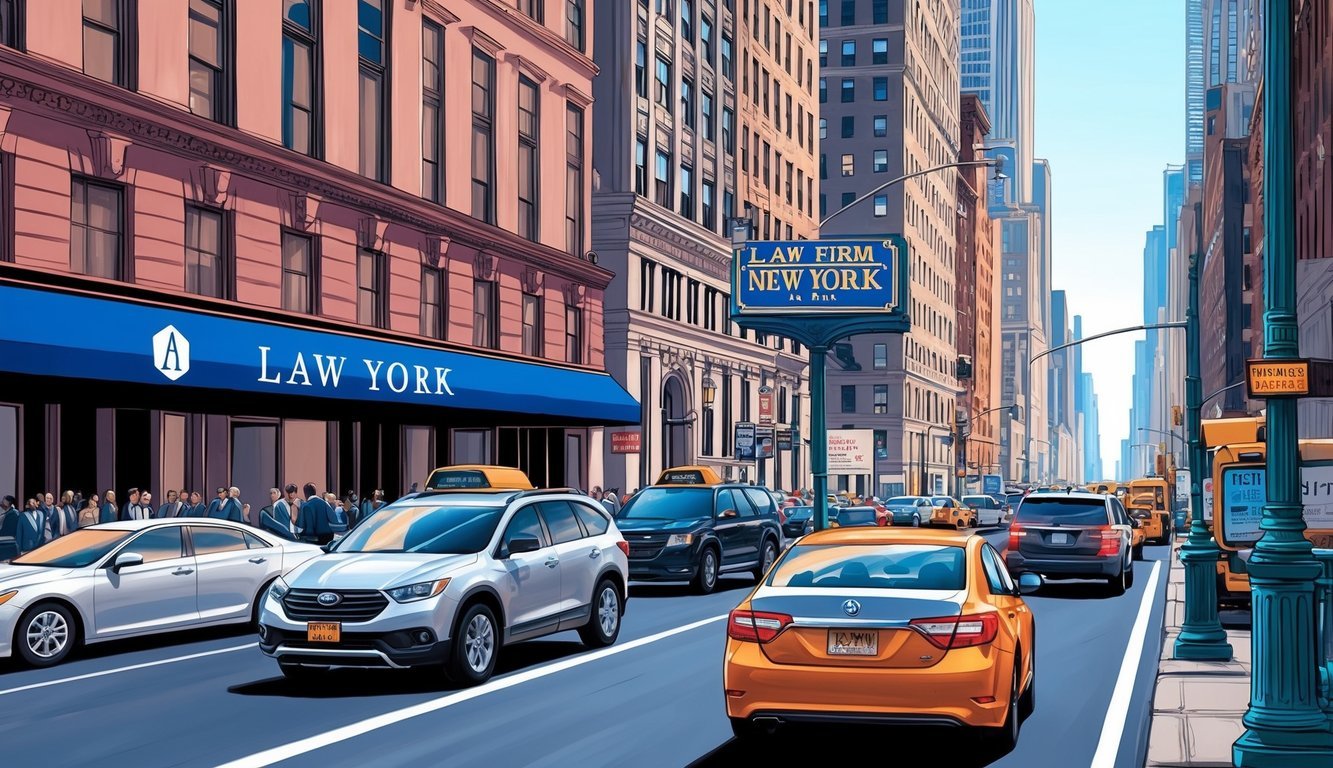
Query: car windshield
{"points": [[901, 501], [800, 513], [1036, 510], [861, 566], [434, 530], [665, 503], [940, 501], [75, 550], [856, 516], [980, 501]]}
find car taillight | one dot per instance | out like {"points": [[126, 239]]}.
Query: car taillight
{"points": [[959, 631], [624, 546], [756, 626], [1016, 532], [1110, 541]]}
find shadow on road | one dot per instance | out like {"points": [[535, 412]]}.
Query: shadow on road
{"points": [[655, 589], [355, 683], [170, 640], [818, 746]]}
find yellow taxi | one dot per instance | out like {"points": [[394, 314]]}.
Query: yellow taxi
{"points": [[883, 626], [1151, 526], [948, 511], [473, 478]]}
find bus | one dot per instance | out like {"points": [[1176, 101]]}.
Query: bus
{"points": [[1155, 495]]}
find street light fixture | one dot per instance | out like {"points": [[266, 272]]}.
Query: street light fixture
{"points": [[709, 388]]}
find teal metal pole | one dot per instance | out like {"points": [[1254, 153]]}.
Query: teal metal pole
{"points": [[819, 435], [1284, 725], [1201, 637]]}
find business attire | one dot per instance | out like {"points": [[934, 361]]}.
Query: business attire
{"points": [[314, 521], [277, 522], [89, 517], [231, 510], [108, 513], [69, 518], [32, 530], [51, 518], [170, 509]]}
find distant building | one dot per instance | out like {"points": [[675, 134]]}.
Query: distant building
{"points": [[1195, 85]]}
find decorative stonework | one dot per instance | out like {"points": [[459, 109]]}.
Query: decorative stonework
{"points": [[484, 266], [526, 66], [210, 185], [108, 153], [370, 233], [437, 248], [533, 280], [575, 294], [437, 11], [677, 247]]}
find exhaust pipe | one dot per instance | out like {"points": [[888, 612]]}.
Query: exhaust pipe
{"points": [[768, 724]]}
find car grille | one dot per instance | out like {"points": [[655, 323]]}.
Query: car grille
{"points": [[357, 605], [644, 546]]}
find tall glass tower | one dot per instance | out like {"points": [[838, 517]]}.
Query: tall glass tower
{"points": [[1194, 90]]}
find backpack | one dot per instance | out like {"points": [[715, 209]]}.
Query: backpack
{"points": [[336, 518]]}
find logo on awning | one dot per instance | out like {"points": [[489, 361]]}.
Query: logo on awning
{"points": [[171, 353]]}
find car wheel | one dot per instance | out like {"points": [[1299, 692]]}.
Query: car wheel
{"points": [[1005, 737], [1117, 584], [475, 647], [1129, 575], [705, 580], [916, 520], [603, 625], [301, 674], [1027, 704], [767, 554], [46, 634], [1138, 551]]}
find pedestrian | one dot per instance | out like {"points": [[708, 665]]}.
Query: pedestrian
{"points": [[215, 506], [145, 509], [9, 517], [197, 508], [127, 511], [277, 516], [32, 528], [108, 513], [90, 513], [168, 509], [69, 512], [52, 514], [372, 504], [232, 507], [315, 516], [293, 501], [596, 493], [608, 502]]}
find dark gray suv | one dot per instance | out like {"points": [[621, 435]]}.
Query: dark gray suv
{"points": [[1073, 535]]}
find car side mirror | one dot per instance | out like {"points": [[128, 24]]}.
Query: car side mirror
{"points": [[727, 514], [522, 544], [1029, 583], [126, 560]]}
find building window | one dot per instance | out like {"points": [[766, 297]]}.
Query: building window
{"points": [[687, 192], [706, 38], [879, 11], [849, 398], [881, 398], [881, 205], [823, 13], [848, 12], [725, 392], [848, 165], [663, 82], [574, 334], [483, 137], [641, 68], [849, 53], [210, 54], [532, 325], [206, 268], [728, 70], [823, 90], [848, 126], [432, 104], [529, 158], [11, 25], [880, 163], [848, 90], [107, 51], [879, 51], [573, 180], [709, 212], [823, 128], [881, 89], [881, 126], [687, 20], [662, 187], [533, 9], [300, 44], [641, 166], [728, 130], [373, 95], [432, 302], [300, 288], [881, 357], [574, 24], [847, 199], [687, 102], [706, 115], [485, 312], [97, 229], [372, 295]]}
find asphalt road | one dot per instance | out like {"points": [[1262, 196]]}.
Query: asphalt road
{"points": [[653, 699]]}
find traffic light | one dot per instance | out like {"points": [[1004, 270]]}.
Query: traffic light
{"points": [[1013, 413], [1177, 416]]}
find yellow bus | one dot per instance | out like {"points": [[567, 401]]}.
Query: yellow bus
{"points": [[1156, 496]]}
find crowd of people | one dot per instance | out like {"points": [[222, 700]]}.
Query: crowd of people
{"points": [[296, 514]]}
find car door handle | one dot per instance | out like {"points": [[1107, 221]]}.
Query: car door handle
{"points": [[552, 562], [595, 553], [258, 560], [182, 572]]}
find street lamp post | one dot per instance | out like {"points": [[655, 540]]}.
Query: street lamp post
{"points": [[1284, 725], [1201, 637]]}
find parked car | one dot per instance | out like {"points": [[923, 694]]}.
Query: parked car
{"points": [[800, 521], [855, 517], [909, 510], [950, 512], [989, 509]]}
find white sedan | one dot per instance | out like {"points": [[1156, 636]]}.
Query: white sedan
{"points": [[141, 577]]}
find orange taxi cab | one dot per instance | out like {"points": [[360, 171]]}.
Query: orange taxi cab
{"points": [[883, 626], [951, 512], [1151, 526]]}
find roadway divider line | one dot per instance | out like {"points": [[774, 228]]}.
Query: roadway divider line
{"points": [[297, 748], [131, 668], [1117, 712]]}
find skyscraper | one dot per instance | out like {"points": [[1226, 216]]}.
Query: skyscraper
{"points": [[999, 65], [1194, 88]]}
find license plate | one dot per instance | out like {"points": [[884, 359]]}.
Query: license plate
{"points": [[1059, 538], [853, 643], [323, 632]]}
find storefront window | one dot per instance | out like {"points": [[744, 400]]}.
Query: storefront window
{"points": [[9, 450], [417, 459], [472, 446], [172, 467], [305, 454], [254, 463]]}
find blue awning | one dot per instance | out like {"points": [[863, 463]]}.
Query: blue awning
{"points": [[49, 333]]}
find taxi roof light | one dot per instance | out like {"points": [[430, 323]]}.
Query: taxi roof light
{"points": [[478, 477], [689, 475]]}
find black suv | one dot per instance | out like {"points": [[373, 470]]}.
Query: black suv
{"points": [[1073, 535], [695, 533]]}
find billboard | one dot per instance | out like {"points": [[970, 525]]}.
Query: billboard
{"points": [[625, 442], [851, 451], [744, 441], [819, 277]]}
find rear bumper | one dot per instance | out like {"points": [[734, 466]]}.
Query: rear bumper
{"points": [[938, 695], [796, 717], [1089, 566]]}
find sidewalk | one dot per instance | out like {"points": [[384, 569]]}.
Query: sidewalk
{"points": [[1197, 705]]}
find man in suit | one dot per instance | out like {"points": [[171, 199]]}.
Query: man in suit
{"points": [[215, 506], [232, 509], [32, 528], [170, 508], [9, 528], [277, 517], [314, 517], [69, 512], [128, 511], [372, 504], [144, 509], [196, 506], [47, 504], [108, 514]]}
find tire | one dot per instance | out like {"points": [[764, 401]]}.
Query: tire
{"points": [[46, 634], [1129, 575], [475, 647], [768, 554], [1117, 584], [299, 674], [705, 579], [603, 625], [1005, 738], [916, 520], [1138, 552]]}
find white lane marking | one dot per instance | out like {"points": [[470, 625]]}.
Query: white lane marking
{"points": [[1117, 712], [295, 749], [131, 668]]}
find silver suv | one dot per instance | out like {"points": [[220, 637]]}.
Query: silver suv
{"points": [[446, 578]]}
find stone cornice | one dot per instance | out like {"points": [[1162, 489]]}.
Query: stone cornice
{"points": [[679, 247], [581, 61], [33, 85]]}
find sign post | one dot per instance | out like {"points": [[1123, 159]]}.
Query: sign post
{"points": [[818, 292]]}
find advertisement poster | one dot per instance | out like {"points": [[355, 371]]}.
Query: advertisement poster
{"points": [[851, 451]]}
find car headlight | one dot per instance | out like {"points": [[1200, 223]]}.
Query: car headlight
{"points": [[680, 540], [420, 591], [279, 589], [7, 596]]}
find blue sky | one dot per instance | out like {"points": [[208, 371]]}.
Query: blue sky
{"points": [[1110, 116]]}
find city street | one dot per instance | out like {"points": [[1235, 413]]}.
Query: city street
{"points": [[652, 699]]}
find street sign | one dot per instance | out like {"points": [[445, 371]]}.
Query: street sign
{"points": [[766, 407], [992, 485], [818, 277], [764, 442], [625, 442], [744, 441], [851, 451], [784, 439], [1278, 378]]}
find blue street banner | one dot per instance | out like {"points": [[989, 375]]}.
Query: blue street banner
{"points": [[819, 277], [86, 337], [992, 485]]}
